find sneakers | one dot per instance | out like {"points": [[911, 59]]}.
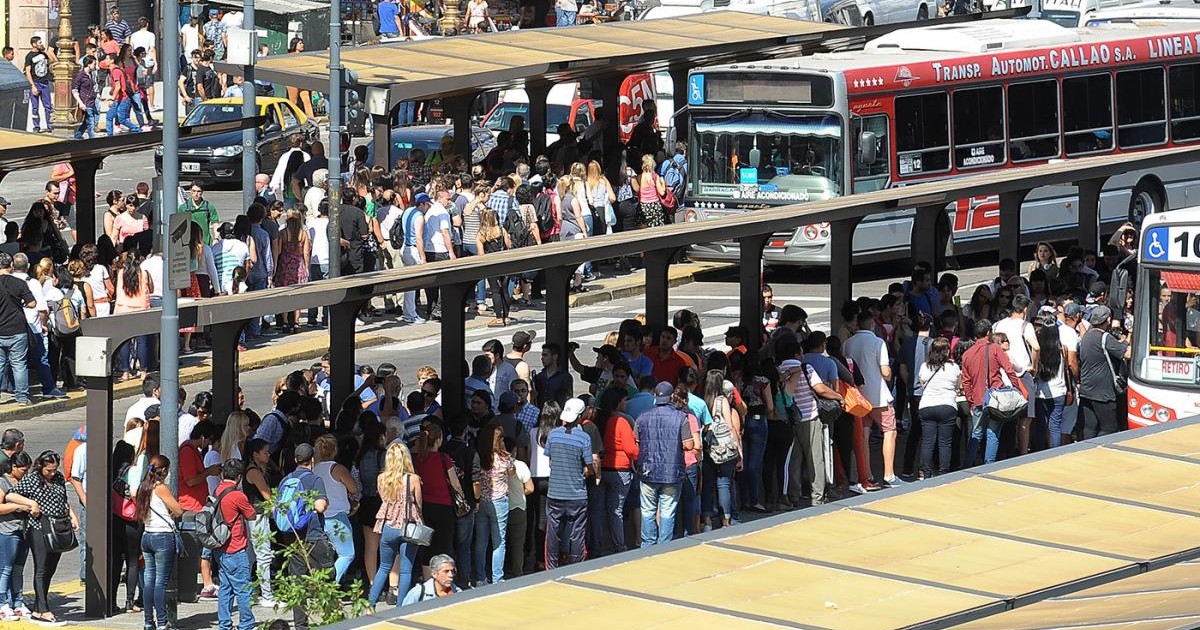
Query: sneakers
{"points": [[414, 320], [863, 488], [209, 593], [268, 603], [892, 482], [55, 393], [22, 611]]}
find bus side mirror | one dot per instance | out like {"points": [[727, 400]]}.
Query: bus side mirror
{"points": [[755, 157], [868, 147]]}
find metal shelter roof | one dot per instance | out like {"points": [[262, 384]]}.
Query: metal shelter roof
{"points": [[235, 308], [963, 547], [471, 63]]}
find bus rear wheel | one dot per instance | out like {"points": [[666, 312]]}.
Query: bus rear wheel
{"points": [[1145, 201]]}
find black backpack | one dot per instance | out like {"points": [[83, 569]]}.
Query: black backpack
{"points": [[517, 228], [396, 233], [543, 204]]}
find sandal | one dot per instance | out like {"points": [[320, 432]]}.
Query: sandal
{"points": [[497, 323]]}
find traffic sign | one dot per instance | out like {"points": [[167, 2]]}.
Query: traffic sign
{"points": [[179, 248]]}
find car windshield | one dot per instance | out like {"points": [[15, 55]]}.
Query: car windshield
{"points": [[769, 156], [206, 113], [1167, 327], [502, 116], [1068, 19]]}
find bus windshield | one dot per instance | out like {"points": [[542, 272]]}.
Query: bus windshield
{"points": [[769, 156], [1065, 18], [1167, 327]]}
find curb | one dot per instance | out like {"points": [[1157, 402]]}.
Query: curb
{"points": [[258, 358], [677, 275]]}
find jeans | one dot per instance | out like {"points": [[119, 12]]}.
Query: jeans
{"points": [[978, 426], [754, 441], [406, 114], [491, 522], [43, 97], [159, 551], [937, 425], [721, 478], [661, 500], [14, 355], [688, 500], [254, 328], [138, 105], [263, 555], [88, 126], [392, 547], [39, 354], [337, 527], [565, 18], [471, 249], [119, 111], [1050, 412], [145, 354], [614, 486], [464, 530], [408, 257], [13, 551], [235, 583], [318, 272]]}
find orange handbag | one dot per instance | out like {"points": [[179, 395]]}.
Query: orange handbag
{"points": [[855, 403]]}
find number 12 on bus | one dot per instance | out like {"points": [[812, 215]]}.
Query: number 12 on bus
{"points": [[924, 104]]}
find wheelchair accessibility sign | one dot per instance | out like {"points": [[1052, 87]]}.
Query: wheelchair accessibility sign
{"points": [[1171, 243], [696, 89], [1154, 244]]}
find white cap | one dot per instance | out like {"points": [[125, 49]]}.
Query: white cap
{"points": [[572, 410]]}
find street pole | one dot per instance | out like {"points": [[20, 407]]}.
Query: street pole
{"points": [[334, 150], [168, 346], [64, 69], [249, 110]]}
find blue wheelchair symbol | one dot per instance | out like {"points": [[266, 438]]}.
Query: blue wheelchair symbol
{"points": [[696, 89], [1155, 244]]}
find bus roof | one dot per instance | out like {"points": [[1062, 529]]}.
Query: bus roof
{"points": [[950, 54], [1149, 13]]}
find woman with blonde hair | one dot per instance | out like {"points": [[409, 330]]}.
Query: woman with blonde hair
{"points": [[492, 238], [650, 189], [572, 227], [400, 490], [339, 487], [233, 439], [601, 197]]}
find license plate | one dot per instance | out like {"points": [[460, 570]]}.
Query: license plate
{"points": [[190, 167]]}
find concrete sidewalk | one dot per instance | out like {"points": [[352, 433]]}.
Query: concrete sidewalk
{"points": [[313, 343]]}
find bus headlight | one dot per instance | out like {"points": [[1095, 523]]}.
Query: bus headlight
{"points": [[1163, 415], [1147, 411], [690, 216]]}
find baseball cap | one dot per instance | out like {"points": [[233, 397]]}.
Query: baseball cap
{"points": [[4, 201], [610, 352], [572, 410], [304, 453], [421, 198], [662, 393], [790, 364], [736, 331], [508, 399], [1099, 315], [1074, 309], [521, 338]]}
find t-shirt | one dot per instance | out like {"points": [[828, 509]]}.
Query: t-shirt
{"points": [[79, 465], [803, 396], [39, 66], [191, 497], [318, 235], [204, 215], [352, 223], [144, 39], [229, 254], [643, 366], [569, 452], [14, 295], [191, 39], [436, 220], [516, 485], [236, 509], [138, 409], [1095, 373], [1019, 333], [557, 386], [191, 78], [667, 369], [208, 78], [387, 17], [870, 353], [1069, 338], [304, 174]]}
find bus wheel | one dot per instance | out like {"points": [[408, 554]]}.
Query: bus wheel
{"points": [[1146, 200], [868, 20], [923, 13]]}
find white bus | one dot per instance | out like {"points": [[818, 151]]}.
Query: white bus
{"points": [[937, 102], [1164, 381]]}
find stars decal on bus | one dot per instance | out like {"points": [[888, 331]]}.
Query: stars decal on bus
{"points": [[868, 82]]}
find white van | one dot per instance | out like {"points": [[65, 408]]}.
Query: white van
{"points": [[1075, 13]]}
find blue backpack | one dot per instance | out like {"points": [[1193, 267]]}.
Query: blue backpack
{"points": [[292, 514]]}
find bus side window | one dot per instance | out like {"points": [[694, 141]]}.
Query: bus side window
{"points": [[1087, 114], [1033, 121], [1185, 102], [1141, 108], [869, 177], [922, 134], [978, 127]]}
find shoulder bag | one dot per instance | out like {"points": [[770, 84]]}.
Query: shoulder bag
{"points": [[1003, 404], [462, 507], [1120, 382], [414, 531], [856, 404], [60, 535], [828, 409]]}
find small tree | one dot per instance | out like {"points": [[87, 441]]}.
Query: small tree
{"points": [[302, 582]]}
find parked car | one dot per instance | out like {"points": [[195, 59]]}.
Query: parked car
{"points": [[428, 138], [896, 11], [216, 160]]}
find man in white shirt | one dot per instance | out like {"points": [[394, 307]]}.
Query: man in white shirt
{"points": [[143, 38], [38, 319], [389, 214], [189, 37], [1022, 350], [318, 262], [150, 393], [438, 243], [870, 353]]}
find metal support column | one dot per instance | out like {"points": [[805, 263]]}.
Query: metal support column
{"points": [[924, 238], [658, 263], [224, 368], [454, 322], [750, 269], [168, 345], [558, 318], [680, 85], [609, 91], [381, 130], [333, 149], [98, 594], [249, 110], [841, 268], [341, 350], [1010, 224], [458, 110], [537, 92], [85, 199], [1089, 213]]}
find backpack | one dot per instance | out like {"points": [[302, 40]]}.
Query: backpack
{"points": [[517, 228], [212, 530], [396, 233], [64, 317], [722, 443], [543, 205], [680, 186], [292, 514]]}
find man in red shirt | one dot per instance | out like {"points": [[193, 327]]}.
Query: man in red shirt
{"points": [[982, 367], [193, 490], [234, 558], [667, 360]]}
